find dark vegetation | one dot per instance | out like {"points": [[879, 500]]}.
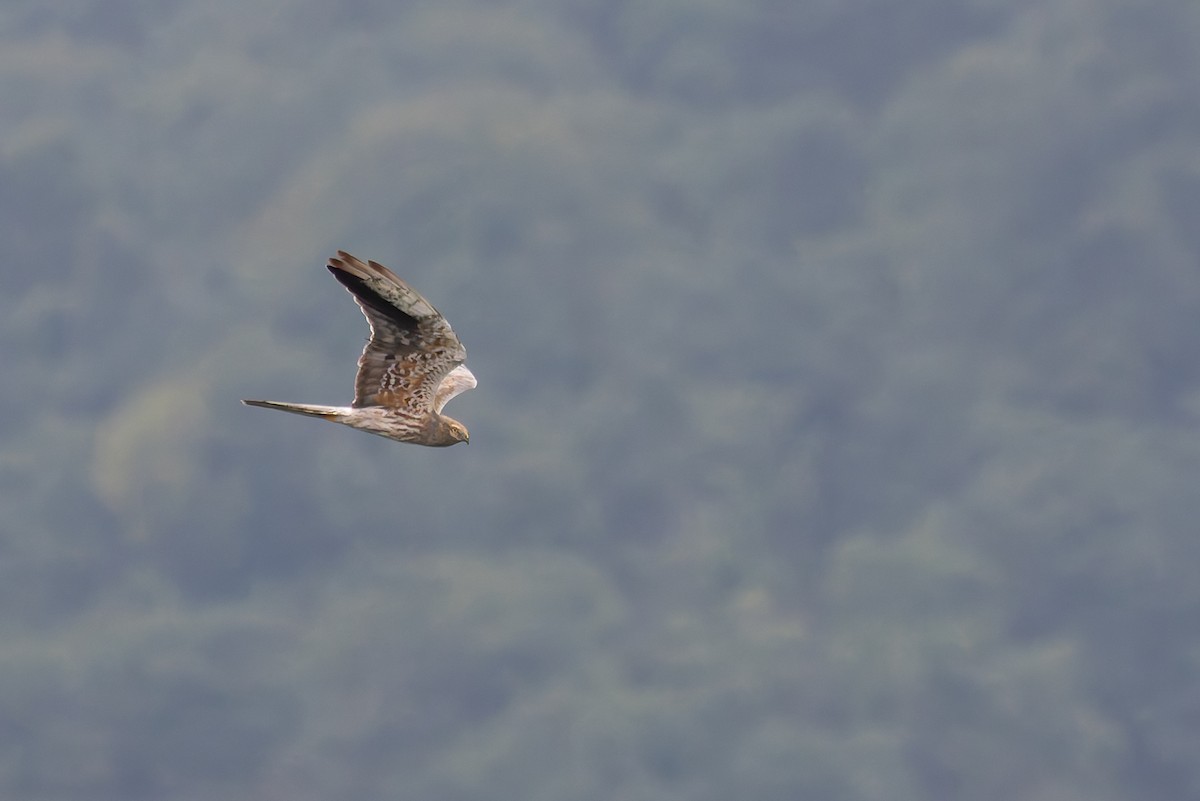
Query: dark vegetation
{"points": [[837, 429]]}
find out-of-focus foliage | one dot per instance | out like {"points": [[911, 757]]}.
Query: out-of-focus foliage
{"points": [[837, 429]]}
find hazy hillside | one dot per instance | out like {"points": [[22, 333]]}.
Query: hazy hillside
{"points": [[838, 428]]}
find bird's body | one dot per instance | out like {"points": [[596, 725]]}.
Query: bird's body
{"points": [[410, 368]]}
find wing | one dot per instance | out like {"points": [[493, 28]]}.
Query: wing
{"points": [[456, 382], [412, 348]]}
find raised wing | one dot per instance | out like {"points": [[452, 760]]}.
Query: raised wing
{"points": [[412, 348], [456, 382]]}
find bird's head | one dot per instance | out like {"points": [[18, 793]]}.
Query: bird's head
{"points": [[451, 432]]}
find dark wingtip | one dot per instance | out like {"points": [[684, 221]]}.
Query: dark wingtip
{"points": [[370, 298]]}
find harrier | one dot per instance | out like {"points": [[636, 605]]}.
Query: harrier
{"points": [[412, 364]]}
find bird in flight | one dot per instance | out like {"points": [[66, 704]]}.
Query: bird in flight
{"points": [[412, 364]]}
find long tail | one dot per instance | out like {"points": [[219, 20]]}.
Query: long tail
{"points": [[325, 412]]}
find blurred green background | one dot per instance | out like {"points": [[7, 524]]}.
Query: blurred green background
{"points": [[838, 424]]}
